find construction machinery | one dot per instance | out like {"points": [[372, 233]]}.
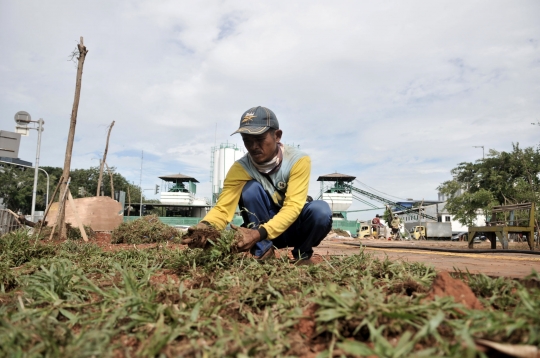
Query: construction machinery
{"points": [[337, 190], [366, 230], [430, 230]]}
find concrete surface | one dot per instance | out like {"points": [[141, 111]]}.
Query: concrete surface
{"points": [[491, 264]]}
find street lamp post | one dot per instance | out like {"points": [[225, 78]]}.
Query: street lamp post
{"points": [[480, 146], [22, 119], [34, 191]]}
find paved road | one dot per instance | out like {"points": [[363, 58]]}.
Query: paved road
{"points": [[491, 264]]}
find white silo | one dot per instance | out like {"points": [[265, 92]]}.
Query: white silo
{"points": [[223, 157]]}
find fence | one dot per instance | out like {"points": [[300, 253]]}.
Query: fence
{"points": [[8, 221]]}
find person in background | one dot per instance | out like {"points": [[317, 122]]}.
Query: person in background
{"points": [[395, 226], [377, 225]]}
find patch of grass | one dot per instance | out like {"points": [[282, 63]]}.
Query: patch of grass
{"points": [[219, 256], [16, 249], [80, 300]]}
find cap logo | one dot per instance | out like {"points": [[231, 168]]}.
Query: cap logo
{"points": [[248, 117]]}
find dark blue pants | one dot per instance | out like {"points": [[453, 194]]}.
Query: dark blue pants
{"points": [[313, 224]]}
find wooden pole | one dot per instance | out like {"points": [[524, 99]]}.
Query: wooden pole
{"points": [[112, 185], [49, 206], [61, 223], [103, 160], [61, 203], [76, 215]]}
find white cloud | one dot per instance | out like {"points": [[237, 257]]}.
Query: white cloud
{"points": [[396, 93]]}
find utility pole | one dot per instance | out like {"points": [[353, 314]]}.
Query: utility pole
{"points": [[82, 51], [104, 159], [140, 184]]}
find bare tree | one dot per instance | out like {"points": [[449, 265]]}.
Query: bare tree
{"points": [[112, 185], [104, 159], [81, 56]]}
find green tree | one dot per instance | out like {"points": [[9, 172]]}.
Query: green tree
{"points": [[16, 185], [387, 216], [84, 183], [501, 178]]}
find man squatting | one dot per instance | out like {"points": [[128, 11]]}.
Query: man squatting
{"points": [[270, 186]]}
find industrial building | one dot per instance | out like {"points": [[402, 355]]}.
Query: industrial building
{"points": [[435, 209]]}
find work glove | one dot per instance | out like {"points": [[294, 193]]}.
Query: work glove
{"points": [[198, 236], [245, 238]]}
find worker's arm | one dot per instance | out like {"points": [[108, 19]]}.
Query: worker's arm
{"points": [[295, 199], [223, 212]]}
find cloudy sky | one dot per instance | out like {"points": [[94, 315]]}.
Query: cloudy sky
{"points": [[393, 92]]}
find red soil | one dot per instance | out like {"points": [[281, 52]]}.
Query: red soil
{"points": [[445, 285], [306, 325]]}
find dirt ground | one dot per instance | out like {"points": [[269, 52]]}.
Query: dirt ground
{"points": [[492, 264]]}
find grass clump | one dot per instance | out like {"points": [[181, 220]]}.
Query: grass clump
{"points": [[74, 233], [16, 249], [19, 247], [147, 229], [219, 256]]}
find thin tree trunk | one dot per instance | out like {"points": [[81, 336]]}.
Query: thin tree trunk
{"points": [[112, 185], [49, 205], [104, 159], [71, 136]]}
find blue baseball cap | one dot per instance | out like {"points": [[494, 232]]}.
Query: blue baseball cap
{"points": [[257, 120]]}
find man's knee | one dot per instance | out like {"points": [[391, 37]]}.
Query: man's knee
{"points": [[320, 213], [252, 190]]}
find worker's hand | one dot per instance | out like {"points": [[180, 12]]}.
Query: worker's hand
{"points": [[197, 236], [245, 238]]}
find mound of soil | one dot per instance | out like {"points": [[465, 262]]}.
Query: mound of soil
{"points": [[341, 232], [445, 285]]}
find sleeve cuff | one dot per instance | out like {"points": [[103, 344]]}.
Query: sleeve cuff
{"points": [[263, 233]]}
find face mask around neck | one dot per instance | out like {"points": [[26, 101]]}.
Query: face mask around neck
{"points": [[270, 165]]}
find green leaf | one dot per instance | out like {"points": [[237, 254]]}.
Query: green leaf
{"points": [[356, 348], [73, 318], [195, 313], [329, 315], [399, 315], [436, 320]]}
